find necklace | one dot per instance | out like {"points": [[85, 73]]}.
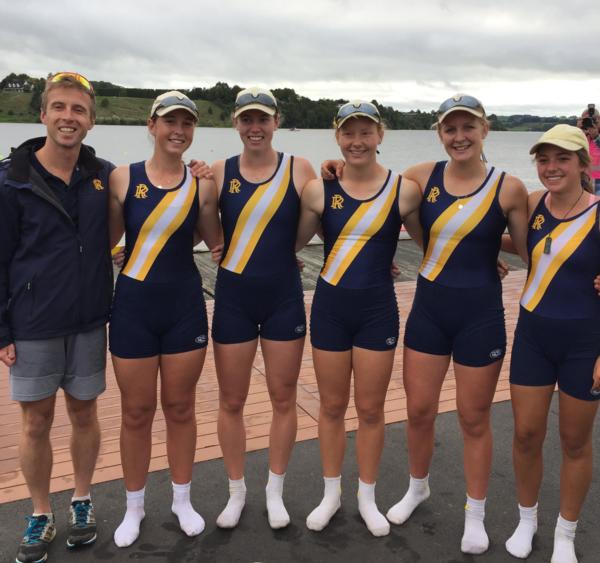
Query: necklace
{"points": [[548, 240]]}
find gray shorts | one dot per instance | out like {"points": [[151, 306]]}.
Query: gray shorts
{"points": [[76, 362]]}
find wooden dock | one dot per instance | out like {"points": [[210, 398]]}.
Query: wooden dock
{"points": [[258, 408]]}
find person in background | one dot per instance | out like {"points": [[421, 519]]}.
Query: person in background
{"points": [[258, 295], [557, 339], [55, 294], [590, 125], [158, 322], [354, 318]]}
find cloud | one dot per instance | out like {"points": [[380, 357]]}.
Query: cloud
{"points": [[414, 53]]}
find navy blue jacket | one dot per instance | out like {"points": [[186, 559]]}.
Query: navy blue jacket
{"points": [[55, 276]]}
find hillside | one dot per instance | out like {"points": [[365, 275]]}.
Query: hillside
{"points": [[111, 110]]}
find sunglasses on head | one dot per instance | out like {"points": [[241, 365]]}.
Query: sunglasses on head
{"points": [[351, 108], [462, 101], [176, 101], [260, 98], [61, 76]]}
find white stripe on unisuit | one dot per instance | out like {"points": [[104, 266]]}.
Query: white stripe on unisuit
{"points": [[566, 238], [351, 239], [460, 219], [159, 226], [256, 215]]}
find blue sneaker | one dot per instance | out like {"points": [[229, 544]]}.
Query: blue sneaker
{"points": [[82, 524], [34, 546]]}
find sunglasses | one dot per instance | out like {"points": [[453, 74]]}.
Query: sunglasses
{"points": [[462, 101], [61, 76], [170, 101], [260, 98], [352, 108]]}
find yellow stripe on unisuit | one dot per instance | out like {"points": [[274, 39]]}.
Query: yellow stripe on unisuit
{"points": [[159, 226], [566, 238], [454, 224], [364, 223], [255, 217]]}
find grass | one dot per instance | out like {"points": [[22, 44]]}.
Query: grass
{"points": [[110, 110]]}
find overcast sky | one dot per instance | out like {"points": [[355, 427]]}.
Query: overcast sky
{"points": [[517, 56]]}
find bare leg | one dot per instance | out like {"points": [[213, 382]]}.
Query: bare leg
{"points": [[475, 387], [35, 451], [282, 366], [234, 365], [530, 410], [333, 370], [85, 441], [423, 378], [372, 372]]}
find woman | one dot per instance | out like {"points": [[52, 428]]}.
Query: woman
{"points": [[354, 318], [557, 339], [258, 294], [457, 310], [158, 321]]}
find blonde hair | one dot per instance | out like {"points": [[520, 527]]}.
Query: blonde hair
{"points": [[68, 82]]}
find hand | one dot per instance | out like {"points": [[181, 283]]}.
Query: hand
{"points": [[395, 269], [596, 376], [300, 264], [597, 284], [8, 355], [331, 169], [216, 253], [200, 169], [502, 268], [118, 256]]}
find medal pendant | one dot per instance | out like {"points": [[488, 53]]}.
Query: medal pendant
{"points": [[547, 245]]}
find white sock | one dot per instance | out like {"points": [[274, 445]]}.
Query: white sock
{"points": [[278, 515], [230, 516], [564, 541], [418, 491], [320, 516], [82, 498], [129, 529], [475, 539], [190, 522], [375, 521], [519, 544]]}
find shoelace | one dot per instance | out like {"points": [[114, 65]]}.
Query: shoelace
{"points": [[35, 528], [81, 511]]}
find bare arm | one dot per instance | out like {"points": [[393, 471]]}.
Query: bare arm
{"points": [[303, 173], [311, 209], [118, 183], [513, 200], [208, 226], [409, 203]]}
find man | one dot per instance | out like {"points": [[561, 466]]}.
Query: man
{"points": [[55, 293]]}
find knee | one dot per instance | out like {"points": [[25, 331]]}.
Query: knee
{"points": [[333, 410], [284, 399], [232, 404], [36, 425], [528, 440], [421, 417], [475, 424], [371, 415], [575, 447], [179, 412], [138, 417], [85, 417]]}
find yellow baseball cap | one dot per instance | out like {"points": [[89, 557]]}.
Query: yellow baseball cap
{"points": [[564, 136]]}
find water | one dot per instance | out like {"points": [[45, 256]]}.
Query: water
{"points": [[508, 150]]}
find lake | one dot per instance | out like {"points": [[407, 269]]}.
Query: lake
{"points": [[508, 150]]}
